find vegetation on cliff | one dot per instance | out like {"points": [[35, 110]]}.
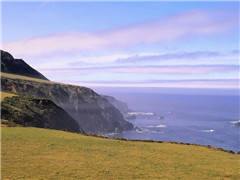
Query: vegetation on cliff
{"points": [[93, 112], [35, 112]]}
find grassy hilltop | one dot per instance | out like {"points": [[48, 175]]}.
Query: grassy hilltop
{"points": [[35, 153]]}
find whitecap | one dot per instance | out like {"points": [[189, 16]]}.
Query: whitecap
{"points": [[234, 122], [209, 130], [141, 113], [150, 126], [162, 126]]}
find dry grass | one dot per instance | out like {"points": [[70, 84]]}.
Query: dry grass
{"points": [[5, 94], [34, 153], [14, 76]]}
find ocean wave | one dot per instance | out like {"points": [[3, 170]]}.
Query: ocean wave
{"points": [[143, 130], [209, 130], [141, 113], [150, 126], [109, 134], [161, 125], [158, 126], [234, 122]]}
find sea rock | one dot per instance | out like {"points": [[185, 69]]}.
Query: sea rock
{"points": [[237, 123]]}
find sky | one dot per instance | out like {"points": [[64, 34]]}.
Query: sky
{"points": [[127, 44]]}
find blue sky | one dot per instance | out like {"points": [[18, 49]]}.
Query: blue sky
{"points": [[147, 44]]}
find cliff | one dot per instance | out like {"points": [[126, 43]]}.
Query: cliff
{"points": [[34, 112], [121, 106], [93, 112]]}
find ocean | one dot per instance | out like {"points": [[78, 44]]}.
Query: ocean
{"points": [[202, 116]]}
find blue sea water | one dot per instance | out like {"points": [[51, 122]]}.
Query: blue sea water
{"points": [[204, 116]]}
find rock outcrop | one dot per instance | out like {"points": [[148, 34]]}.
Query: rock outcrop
{"points": [[35, 112], [122, 107], [92, 111]]}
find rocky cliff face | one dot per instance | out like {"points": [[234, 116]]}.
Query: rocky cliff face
{"points": [[18, 66], [122, 107], [35, 112], [92, 111]]}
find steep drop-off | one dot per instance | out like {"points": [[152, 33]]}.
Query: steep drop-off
{"points": [[34, 112], [18, 66], [121, 106], [92, 111]]}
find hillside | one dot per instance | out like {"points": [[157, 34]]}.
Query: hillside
{"points": [[93, 112], [35, 112], [18, 66], [34, 153]]}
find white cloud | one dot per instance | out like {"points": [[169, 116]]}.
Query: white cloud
{"points": [[222, 83], [160, 30], [198, 69]]}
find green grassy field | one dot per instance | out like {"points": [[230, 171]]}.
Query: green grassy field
{"points": [[34, 153]]}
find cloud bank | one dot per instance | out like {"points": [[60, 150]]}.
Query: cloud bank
{"points": [[170, 56], [190, 23], [194, 83], [177, 69]]}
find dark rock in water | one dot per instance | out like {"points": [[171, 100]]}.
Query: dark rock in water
{"points": [[18, 66], [92, 112], [33, 112], [130, 117], [237, 123]]}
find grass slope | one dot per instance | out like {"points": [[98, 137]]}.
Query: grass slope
{"points": [[14, 76], [34, 153], [5, 94]]}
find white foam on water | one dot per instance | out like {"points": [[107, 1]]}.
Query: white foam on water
{"points": [[161, 125], [209, 130], [150, 126], [141, 113], [234, 122]]}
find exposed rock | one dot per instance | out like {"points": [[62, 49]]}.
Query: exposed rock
{"points": [[237, 123], [34, 112], [121, 106], [93, 112]]}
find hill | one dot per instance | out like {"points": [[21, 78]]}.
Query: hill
{"points": [[93, 112], [34, 153], [18, 66], [36, 112]]}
